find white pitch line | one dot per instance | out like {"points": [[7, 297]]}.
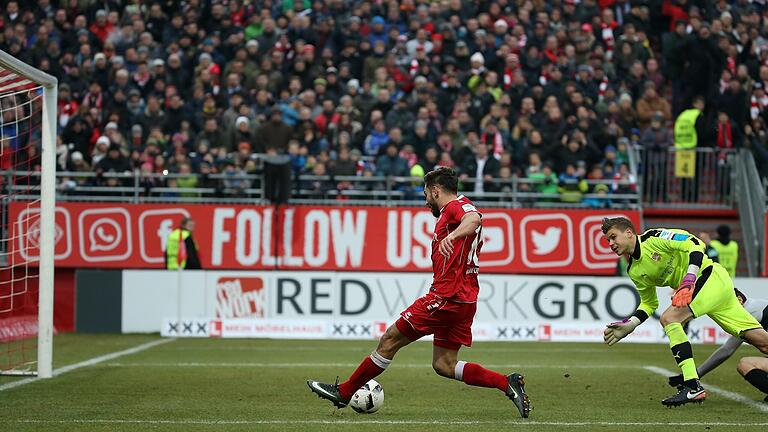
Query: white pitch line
{"points": [[523, 423], [717, 390], [367, 349], [89, 362], [341, 365]]}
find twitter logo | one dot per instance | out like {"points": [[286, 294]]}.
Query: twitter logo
{"points": [[544, 243]]}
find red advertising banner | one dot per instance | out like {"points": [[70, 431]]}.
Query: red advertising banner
{"points": [[243, 237]]}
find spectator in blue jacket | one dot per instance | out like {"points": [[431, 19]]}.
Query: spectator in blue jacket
{"points": [[377, 139]]}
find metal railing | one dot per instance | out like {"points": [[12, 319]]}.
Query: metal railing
{"points": [[512, 192], [137, 187], [711, 186], [750, 200]]}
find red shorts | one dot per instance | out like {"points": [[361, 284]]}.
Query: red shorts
{"points": [[450, 322]]}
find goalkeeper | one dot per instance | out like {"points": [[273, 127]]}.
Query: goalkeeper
{"points": [[675, 258], [753, 369]]}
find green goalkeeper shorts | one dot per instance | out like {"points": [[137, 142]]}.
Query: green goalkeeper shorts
{"points": [[715, 298]]}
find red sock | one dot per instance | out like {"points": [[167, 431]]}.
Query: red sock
{"points": [[476, 375], [365, 372]]}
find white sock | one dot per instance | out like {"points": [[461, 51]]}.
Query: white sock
{"points": [[458, 372], [379, 360]]}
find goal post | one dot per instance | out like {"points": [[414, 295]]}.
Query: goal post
{"points": [[16, 77]]}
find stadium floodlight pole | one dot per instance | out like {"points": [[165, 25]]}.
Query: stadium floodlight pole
{"points": [[47, 208]]}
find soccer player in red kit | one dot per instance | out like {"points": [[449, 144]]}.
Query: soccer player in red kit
{"points": [[446, 311]]}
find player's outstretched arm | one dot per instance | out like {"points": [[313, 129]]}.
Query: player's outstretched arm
{"points": [[470, 223], [720, 355], [618, 330]]}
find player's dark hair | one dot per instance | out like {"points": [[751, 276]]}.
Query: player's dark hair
{"points": [[740, 294], [444, 177], [621, 223]]}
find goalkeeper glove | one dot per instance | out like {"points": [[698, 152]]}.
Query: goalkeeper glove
{"points": [[684, 294], [618, 330]]}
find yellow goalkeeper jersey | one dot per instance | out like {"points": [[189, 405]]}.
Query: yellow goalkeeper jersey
{"points": [[664, 256]]}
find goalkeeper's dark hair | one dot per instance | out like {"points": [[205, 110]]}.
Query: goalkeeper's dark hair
{"points": [[741, 295], [444, 177], [621, 223]]}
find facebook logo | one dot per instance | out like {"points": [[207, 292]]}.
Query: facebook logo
{"points": [[154, 228]]}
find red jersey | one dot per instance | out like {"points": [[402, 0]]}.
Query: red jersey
{"points": [[455, 277]]}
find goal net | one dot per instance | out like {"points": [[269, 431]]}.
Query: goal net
{"points": [[27, 225]]}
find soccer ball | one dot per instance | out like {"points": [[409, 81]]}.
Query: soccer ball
{"points": [[368, 398]]}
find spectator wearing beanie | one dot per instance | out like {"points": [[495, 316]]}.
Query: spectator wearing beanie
{"points": [[273, 134]]}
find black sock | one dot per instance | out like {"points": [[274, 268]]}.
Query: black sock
{"points": [[758, 378], [691, 383]]}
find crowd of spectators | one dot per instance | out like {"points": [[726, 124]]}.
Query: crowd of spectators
{"points": [[555, 92]]}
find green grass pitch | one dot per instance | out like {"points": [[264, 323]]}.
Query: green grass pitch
{"points": [[259, 385]]}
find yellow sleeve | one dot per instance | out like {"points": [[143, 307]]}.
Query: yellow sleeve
{"points": [[649, 302], [670, 244]]}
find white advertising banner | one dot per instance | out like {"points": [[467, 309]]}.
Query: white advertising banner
{"points": [[360, 305]]}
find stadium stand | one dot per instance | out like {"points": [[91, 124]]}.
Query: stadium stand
{"points": [[573, 100]]}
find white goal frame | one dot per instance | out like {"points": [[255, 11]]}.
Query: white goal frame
{"points": [[47, 207]]}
